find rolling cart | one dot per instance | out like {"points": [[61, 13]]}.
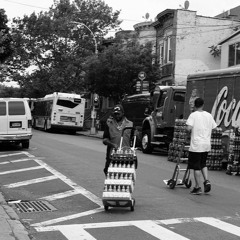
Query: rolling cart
{"points": [[175, 181], [121, 176]]}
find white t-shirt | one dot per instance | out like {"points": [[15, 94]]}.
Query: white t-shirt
{"points": [[202, 124]]}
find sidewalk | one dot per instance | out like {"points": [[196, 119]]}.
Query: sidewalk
{"points": [[99, 134], [11, 228]]}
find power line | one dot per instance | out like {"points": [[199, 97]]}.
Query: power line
{"points": [[24, 4], [34, 6]]}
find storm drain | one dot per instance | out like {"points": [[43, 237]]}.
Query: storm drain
{"points": [[32, 206]]}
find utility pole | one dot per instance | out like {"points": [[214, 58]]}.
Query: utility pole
{"points": [[93, 112]]}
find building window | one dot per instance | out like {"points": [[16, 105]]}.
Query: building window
{"points": [[234, 54], [161, 54], [166, 51]]}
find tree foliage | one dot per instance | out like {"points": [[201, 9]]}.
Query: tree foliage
{"points": [[6, 91], [56, 47], [5, 38], [115, 72]]}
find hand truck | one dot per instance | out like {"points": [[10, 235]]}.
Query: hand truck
{"points": [[120, 180], [175, 181]]}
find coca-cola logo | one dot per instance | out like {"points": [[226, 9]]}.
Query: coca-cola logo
{"points": [[226, 114]]}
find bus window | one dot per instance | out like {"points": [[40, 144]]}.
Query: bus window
{"points": [[66, 103]]}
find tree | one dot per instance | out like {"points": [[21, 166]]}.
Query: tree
{"points": [[49, 42], [6, 91], [5, 38], [115, 71]]}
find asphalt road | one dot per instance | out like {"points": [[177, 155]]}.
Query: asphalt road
{"points": [[66, 172]]}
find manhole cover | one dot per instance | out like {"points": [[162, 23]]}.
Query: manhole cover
{"points": [[32, 206]]}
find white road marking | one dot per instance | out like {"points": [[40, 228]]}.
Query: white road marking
{"points": [[175, 221], [227, 227], [15, 161], [72, 184], [62, 195], [157, 231], [32, 181], [66, 218], [12, 154], [56, 175], [71, 233], [77, 231], [21, 170]]}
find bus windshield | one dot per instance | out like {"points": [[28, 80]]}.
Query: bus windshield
{"points": [[68, 103]]}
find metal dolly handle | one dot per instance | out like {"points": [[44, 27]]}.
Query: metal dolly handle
{"points": [[134, 140]]}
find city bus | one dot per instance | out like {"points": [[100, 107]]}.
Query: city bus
{"points": [[58, 111]]}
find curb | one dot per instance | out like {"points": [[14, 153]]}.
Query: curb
{"points": [[11, 228], [99, 134]]}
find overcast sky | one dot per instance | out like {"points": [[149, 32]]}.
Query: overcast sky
{"points": [[132, 11]]}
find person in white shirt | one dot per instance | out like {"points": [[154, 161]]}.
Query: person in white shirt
{"points": [[201, 124]]}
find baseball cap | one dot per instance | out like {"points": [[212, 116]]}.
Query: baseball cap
{"points": [[118, 108]]}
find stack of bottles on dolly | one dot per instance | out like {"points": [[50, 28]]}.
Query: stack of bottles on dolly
{"points": [[215, 156], [121, 176], [181, 138], [234, 152]]}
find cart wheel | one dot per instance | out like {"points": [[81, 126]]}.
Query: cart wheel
{"points": [[106, 208], [172, 183], [188, 183]]}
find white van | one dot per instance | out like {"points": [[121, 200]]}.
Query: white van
{"points": [[15, 121]]}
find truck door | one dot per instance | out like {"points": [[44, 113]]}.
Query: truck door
{"points": [[169, 107], [160, 108], [179, 99]]}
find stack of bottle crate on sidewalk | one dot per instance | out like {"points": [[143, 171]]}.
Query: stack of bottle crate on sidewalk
{"points": [[234, 153], [178, 149], [215, 156]]}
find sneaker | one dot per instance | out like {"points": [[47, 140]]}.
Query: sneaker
{"points": [[207, 186], [196, 191]]}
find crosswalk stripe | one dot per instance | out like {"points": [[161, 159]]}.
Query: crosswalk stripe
{"points": [[158, 231], [32, 181], [152, 227], [227, 227], [73, 233]]}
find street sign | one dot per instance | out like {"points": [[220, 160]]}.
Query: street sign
{"points": [[93, 114], [142, 75]]}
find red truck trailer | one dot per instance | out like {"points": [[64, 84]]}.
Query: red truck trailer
{"points": [[220, 90]]}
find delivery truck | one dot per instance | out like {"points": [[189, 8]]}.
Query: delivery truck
{"points": [[220, 90]]}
